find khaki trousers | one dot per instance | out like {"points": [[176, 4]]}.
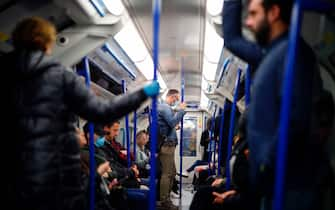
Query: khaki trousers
{"points": [[166, 156]]}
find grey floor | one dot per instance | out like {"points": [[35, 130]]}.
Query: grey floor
{"points": [[187, 194]]}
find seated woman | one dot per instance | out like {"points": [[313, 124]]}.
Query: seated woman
{"points": [[142, 153]]}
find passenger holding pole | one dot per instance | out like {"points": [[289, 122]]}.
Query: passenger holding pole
{"points": [[43, 101], [167, 121], [269, 20]]}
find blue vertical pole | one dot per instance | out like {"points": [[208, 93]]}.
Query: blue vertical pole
{"points": [[285, 105], [221, 137], [91, 141], [224, 68], [211, 137], [135, 128], [181, 128], [153, 129], [231, 129], [247, 85], [127, 129]]}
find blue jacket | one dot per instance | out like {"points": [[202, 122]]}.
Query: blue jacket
{"points": [[167, 121], [264, 111]]}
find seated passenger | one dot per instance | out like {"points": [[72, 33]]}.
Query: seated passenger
{"points": [[120, 182], [102, 190], [126, 177], [236, 197], [142, 154], [111, 145]]}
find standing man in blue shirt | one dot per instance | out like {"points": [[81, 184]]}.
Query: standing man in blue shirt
{"points": [[167, 121]]}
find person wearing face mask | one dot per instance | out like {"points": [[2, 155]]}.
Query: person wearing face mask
{"points": [[167, 121]]}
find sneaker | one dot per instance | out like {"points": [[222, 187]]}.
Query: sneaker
{"points": [[174, 195], [183, 174]]}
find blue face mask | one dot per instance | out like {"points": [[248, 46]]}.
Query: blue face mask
{"points": [[175, 104], [100, 142]]}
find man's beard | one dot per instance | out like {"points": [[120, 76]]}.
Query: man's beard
{"points": [[263, 33]]}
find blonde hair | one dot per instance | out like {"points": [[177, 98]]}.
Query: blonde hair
{"points": [[33, 33]]}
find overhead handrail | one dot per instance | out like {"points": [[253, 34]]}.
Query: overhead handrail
{"points": [[97, 6], [106, 47]]}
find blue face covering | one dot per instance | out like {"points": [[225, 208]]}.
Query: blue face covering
{"points": [[175, 105], [100, 142]]}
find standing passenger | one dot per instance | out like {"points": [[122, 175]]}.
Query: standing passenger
{"points": [[43, 100], [167, 121], [270, 21]]}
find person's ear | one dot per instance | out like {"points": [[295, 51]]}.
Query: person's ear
{"points": [[273, 14]]}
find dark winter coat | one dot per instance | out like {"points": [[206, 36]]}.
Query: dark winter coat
{"points": [[43, 100]]}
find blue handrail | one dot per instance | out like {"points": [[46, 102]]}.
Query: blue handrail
{"points": [[286, 104], [153, 129], [247, 85], [293, 46], [181, 128], [231, 129], [221, 137], [127, 129], [224, 68], [97, 6], [109, 50], [135, 128], [91, 141]]}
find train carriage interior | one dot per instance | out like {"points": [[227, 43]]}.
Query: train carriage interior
{"points": [[114, 40]]}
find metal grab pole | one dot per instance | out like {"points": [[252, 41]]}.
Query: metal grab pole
{"points": [[153, 129], [247, 85], [91, 141], [221, 137], [286, 105], [134, 140], [181, 129], [231, 129], [127, 129]]}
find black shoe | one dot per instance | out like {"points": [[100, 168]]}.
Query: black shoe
{"points": [[176, 191]]}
